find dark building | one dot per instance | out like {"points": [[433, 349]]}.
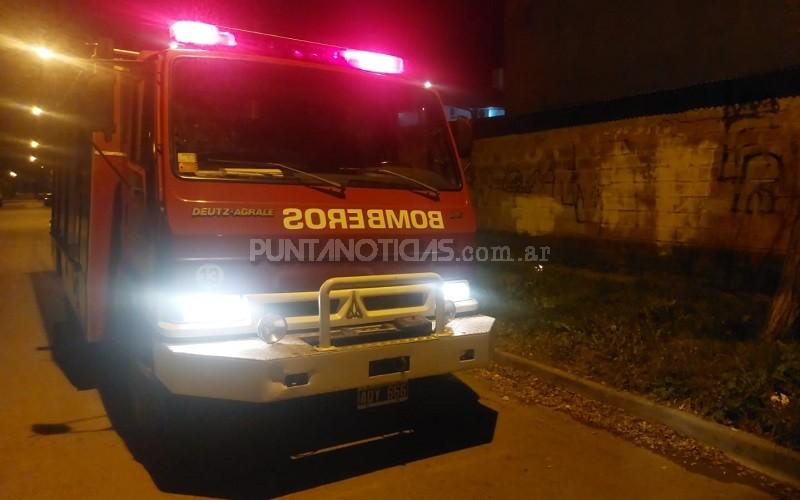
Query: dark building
{"points": [[647, 128], [560, 53]]}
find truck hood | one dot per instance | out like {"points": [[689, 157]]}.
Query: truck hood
{"points": [[244, 234]]}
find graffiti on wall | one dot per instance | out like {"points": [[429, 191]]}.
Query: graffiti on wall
{"points": [[555, 175], [538, 179], [753, 156], [580, 190], [631, 177]]}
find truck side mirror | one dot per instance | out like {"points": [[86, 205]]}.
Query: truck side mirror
{"points": [[462, 133], [97, 103]]}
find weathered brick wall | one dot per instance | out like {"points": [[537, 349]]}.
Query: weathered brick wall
{"points": [[716, 177]]}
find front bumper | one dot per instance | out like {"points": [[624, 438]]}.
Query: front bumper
{"points": [[252, 370]]}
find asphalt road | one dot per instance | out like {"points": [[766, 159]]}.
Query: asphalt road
{"points": [[463, 441]]}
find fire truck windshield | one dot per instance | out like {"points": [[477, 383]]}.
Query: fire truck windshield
{"points": [[264, 122]]}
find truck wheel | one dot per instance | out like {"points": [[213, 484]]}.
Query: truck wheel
{"points": [[146, 412], [154, 416], [148, 403]]}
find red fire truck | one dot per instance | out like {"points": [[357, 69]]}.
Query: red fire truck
{"points": [[194, 165]]}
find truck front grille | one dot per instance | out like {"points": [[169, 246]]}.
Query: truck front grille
{"points": [[368, 334], [298, 308], [379, 302], [356, 314]]}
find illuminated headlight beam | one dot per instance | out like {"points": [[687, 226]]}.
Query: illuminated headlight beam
{"points": [[456, 291], [212, 308], [459, 294]]}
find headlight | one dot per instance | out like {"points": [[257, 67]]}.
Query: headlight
{"points": [[456, 291], [211, 308]]}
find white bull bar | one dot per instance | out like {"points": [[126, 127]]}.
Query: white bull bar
{"points": [[249, 369], [375, 281]]}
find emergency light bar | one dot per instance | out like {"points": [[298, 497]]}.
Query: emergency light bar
{"points": [[195, 33], [373, 61]]}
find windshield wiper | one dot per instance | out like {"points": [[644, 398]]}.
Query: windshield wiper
{"points": [[425, 186], [412, 180], [273, 165]]}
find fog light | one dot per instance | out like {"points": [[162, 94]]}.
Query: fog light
{"points": [[272, 328]]}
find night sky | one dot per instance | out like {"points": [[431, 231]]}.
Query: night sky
{"points": [[455, 43]]}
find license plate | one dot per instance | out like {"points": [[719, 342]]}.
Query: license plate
{"points": [[380, 395]]}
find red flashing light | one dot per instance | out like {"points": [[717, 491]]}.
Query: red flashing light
{"points": [[204, 34], [373, 61], [197, 33]]}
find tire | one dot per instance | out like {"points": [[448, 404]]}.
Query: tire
{"points": [[147, 415], [146, 412], [154, 415]]}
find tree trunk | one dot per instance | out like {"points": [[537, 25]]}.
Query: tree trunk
{"points": [[785, 308]]}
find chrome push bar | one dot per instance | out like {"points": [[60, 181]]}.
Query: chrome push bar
{"points": [[376, 281]]}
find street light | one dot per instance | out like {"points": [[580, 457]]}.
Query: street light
{"points": [[43, 52], [34, 144], [36, 110], [12, 174], [31, 158]]}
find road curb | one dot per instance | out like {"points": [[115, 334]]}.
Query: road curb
{"points": [[749, 450]]}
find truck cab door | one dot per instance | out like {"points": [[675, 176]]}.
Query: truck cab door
{"points": [[135, 196]]}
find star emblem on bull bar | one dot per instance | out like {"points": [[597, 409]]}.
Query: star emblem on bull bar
{"points": [[354, 311]]}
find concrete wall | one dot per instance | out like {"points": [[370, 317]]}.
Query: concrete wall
{"points": [[717, 177]]}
